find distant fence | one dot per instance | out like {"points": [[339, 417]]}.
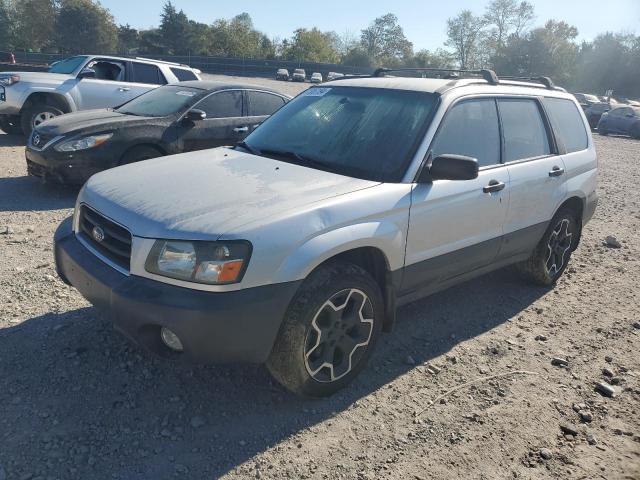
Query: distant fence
{"points": [[249, 67]]}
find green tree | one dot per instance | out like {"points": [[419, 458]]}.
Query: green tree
{"points": [[432, 59], [128, 39], [85, 26], [35, 24], [313, 46], [174, 28], [7, 30], [384, 40], [507, 17], [464, 33], [357, 57]]}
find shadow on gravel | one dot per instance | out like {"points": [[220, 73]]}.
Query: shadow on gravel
{"points": [[80, 402], [12, 140], [25, 194]]}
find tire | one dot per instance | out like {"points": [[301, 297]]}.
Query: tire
{"points": [[11, 125], [602, 131], [139, 153], [35, 114], [325, 308], [552, 254], [635, 131]]}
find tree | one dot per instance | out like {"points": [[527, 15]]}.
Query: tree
{"points": [[84, 25], [174, 28], [428, 59], [464, 33], [128, 39], [384, 40], [313, 46], [6, 24], [35, 24], [507, 17], [357, 57]]}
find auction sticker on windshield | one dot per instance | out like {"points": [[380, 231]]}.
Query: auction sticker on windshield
{"points": [[186, 94], [316, 92]]}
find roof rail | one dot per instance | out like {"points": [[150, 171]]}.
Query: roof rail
{"points": [[488, 75], [161, 61]]}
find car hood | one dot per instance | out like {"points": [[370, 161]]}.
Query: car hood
{"points": [[40, 77], [205, 194], [89, 120]]}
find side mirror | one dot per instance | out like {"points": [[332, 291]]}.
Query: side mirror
{"points": [[629, 115], [452, 167], [195, 115], [87, 73]]}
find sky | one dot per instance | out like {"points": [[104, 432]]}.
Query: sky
{"points": [[424, 21]]}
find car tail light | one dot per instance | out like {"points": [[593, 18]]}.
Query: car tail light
{"points": [[13, 58]]}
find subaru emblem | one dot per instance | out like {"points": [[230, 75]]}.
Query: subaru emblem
{"points": [[36, 139], [98, 234]]}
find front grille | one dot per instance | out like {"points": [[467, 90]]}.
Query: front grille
{"points": [[106, 237], [43, 140]]}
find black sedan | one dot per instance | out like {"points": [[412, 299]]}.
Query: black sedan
{"points": [[170, 119]]}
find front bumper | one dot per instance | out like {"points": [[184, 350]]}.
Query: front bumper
{"points": [[72, 168], [235, 326]]}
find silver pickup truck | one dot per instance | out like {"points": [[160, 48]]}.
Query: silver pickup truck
{"points": [[83, 82]]}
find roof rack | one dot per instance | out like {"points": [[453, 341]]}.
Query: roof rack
{"points": [[546, 81], [488, 75], [162, 61]]}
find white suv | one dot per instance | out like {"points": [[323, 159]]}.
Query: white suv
{"points": [[83, 82], [296, 247]]}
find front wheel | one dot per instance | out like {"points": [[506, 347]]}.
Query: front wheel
{"points": [[139, 153], [635, 131], [329, 331], [36, 114], [551, 257], [11, 125]]}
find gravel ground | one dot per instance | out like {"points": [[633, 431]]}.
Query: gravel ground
{"points": [[78, 402]]}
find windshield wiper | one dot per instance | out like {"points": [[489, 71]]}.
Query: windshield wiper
{"points": [[247, 147]]}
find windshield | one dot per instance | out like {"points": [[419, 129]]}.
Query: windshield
{"points": [[367, 133], [68, 65], [162, 101]]}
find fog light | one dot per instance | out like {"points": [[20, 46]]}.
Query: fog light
{"points": [[171, 340]]}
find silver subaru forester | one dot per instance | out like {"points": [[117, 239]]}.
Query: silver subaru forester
{"points": [[295, 247]]}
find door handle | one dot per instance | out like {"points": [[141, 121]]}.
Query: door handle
{"points": [[556, 171], [241, 129], [124, 89], [494, 186]]}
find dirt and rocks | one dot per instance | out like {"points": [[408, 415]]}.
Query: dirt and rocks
{"points": [[491, 379]]}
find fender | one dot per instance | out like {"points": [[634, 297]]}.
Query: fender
{"points": [[61, 99], [386, 236]]}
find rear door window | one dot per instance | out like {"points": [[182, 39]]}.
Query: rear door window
{"points": [[147, 73], [525, 135], [222, 104], [567, 124], [470, 128], [262, 103]]}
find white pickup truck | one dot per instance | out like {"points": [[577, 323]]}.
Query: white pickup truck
{"points": [[80, 83]]}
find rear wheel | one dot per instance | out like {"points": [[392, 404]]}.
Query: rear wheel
{"points": [[137, 154], [329, 331], [551, 257], [11, 125], [35, 114]]}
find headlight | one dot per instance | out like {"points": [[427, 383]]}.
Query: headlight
{"points": [[214, 263], [7, 80], [83, 143]]}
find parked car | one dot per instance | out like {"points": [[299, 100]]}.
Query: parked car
{"points": [[594, 111], [316, 78], [586, 99], [299, 75], [7, 57], [295, 248], [282, 74], [334, 75], [170, 119], [622, 120], [83, 82]]}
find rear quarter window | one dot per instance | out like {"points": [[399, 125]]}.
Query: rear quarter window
{"points": [[263, 104], [183, 75], [567, 124]]}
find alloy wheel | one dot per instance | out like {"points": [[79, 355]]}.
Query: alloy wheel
{"points": [[42, 117], [341, 331], [558, 246]]}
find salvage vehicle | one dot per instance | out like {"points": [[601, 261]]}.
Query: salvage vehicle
{"points": [[622, 120], [334, 76], [83, 82], [296, 247], [316, 78], [170, 119], [7, 57], [299, 75]]}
